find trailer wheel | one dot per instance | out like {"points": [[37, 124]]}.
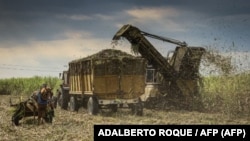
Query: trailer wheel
{"points": [[64, 98], [58, 96], [113, 108], [92, 106], [84, 102], [73, 104]]}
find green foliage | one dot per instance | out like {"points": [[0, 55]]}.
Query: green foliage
{"points": [[227, 94], [25, 86]]}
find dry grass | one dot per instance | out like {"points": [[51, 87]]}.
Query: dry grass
{"points": [[79, 126]]}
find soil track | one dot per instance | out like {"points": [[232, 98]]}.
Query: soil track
{"points": [[79, 126]]}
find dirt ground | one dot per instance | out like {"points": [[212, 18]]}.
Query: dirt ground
{"points": [[79, 125]]}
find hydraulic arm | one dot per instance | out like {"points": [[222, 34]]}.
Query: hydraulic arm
{"points": [[146, 49]]}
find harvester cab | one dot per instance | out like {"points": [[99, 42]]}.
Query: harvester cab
{"points": [[179, 73]]}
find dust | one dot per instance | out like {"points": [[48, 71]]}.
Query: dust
{"points": [[117, 42], [223, 63], [114, 43]]}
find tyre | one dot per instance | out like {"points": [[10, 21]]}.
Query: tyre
{"points": [[59, 98], [15, 120], [84, 102], [18, 115], [73, 104], [92, 106], [64, 98], [113, 108], [59, 102], [137, 108], [150, 103]]}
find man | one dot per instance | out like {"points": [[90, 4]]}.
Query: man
{"points": [[37, 103]]}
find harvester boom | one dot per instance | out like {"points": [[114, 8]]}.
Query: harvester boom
{"points": [[146, 49]]}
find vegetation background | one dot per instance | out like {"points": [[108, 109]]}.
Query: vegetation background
{"points": [[228, 94]]}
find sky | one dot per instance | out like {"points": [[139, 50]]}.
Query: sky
{"points": [[39, 38]]}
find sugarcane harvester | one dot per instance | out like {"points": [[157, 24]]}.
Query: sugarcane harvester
{"points": [[180, 72]]}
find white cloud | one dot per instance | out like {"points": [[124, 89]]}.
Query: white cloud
{"points": [[103, 17], [163, 17], [77, 17], [83, 17], [76, 34]]}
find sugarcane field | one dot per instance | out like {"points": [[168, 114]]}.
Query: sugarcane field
{"points": [[134, 70]]}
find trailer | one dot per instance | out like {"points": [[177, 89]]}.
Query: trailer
{"points": [[109, 79]]}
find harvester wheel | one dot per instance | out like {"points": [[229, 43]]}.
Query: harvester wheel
{"points": [[137, 108], [92, 106]]}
